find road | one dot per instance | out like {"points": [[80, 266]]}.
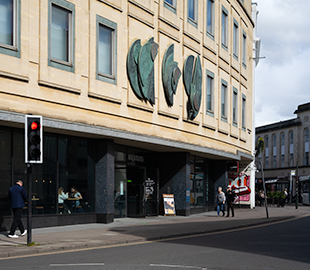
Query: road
{"points": [[284, 245]]}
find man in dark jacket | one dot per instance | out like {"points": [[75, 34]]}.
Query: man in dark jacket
{"points": [[230, 198], [18, 196]]}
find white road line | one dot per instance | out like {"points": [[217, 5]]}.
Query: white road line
{"points": [[76, 264], [177, 266]]}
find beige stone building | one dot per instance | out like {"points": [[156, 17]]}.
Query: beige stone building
{"points": [[286, 150], [69, 61]]}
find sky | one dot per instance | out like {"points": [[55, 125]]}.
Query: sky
{"points": [[282, 79]]}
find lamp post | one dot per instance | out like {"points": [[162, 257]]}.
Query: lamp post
{"points": [[265, 195]]}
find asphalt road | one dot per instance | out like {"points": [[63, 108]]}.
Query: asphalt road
{"points": [[282, 246]]}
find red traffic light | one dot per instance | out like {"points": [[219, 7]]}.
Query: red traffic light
{"points": [[34, 125]]}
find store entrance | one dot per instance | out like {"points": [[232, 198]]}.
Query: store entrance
{"points": [[135, 192]]}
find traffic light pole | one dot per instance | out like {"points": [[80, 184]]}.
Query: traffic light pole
{"points": [[29, 216]]}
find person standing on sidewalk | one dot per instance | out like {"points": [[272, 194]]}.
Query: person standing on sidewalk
{"points": [[230, 198], [18, 196], [220, 201]]}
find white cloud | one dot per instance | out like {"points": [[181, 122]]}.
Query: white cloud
{"points": [[283, 78]]}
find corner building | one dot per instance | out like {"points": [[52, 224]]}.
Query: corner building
{"points": [[125, 123]]}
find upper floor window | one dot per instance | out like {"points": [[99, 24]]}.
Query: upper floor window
{"points": [[266, 141], [235, 106], [9, 27], [306, 155], [291, 137], [210, 18], [106, 50], [192, 10], [236, 39], [224, 27], [171, 4], [210, 92], [61, 52], [243, 116], [224, 100], [274, 144], [244, 44]]}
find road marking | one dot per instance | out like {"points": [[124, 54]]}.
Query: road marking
{"points": [[76, 264], [177, 266], [153, 241]]}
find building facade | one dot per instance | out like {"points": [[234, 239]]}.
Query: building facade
{"points": [[139, 98], [286, 150]]}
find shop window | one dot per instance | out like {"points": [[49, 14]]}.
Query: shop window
{"points": [[5, 180], [61, 34], [10, 27], [76, 174], [198, 183]]}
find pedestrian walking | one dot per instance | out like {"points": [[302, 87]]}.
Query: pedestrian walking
{"points": [[230, 199], [18, 196], [220, 201]]}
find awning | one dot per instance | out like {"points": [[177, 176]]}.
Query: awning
{"points": [[271, 181], [304, 178], [279, 180]]}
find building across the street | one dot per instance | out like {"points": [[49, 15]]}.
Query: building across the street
{"points": [[139, 98], [286, 150]]}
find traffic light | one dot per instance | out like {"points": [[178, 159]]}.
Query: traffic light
{"points": [[33, 139]]}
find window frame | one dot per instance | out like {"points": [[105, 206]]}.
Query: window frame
{"points": [[236, 39], [172, 7], [243, 113], [14, 49], [212, 13], [193, 21], [54, 62], [244, 50], [224, 28], [224, 86], [113, 26], [210, 111], [235, 107]]}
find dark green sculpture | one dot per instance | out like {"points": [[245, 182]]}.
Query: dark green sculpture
{"points": [[140, 69], [192, 79], [170, 74]]}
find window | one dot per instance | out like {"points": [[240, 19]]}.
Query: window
{"points": [[266, 152], [274, 162], [61, 35], [210, 91], [192, 10], [244, 49], [235, 106], [243, 116], [9, 27], [274, 151], [224, 100], [306, 155], [171, 4], [291, 148], [282, 141], [210, 18], [224, 28], [106, 50], [236, 39]]}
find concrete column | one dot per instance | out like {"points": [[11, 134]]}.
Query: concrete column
{"points": [[104, 181]]}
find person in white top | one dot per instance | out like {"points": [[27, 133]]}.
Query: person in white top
{"points": [[62, 196]]}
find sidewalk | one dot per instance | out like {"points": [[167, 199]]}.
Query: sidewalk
{"points": [[130, 230]]}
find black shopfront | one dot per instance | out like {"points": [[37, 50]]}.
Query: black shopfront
{"points": [[115, 180]]}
